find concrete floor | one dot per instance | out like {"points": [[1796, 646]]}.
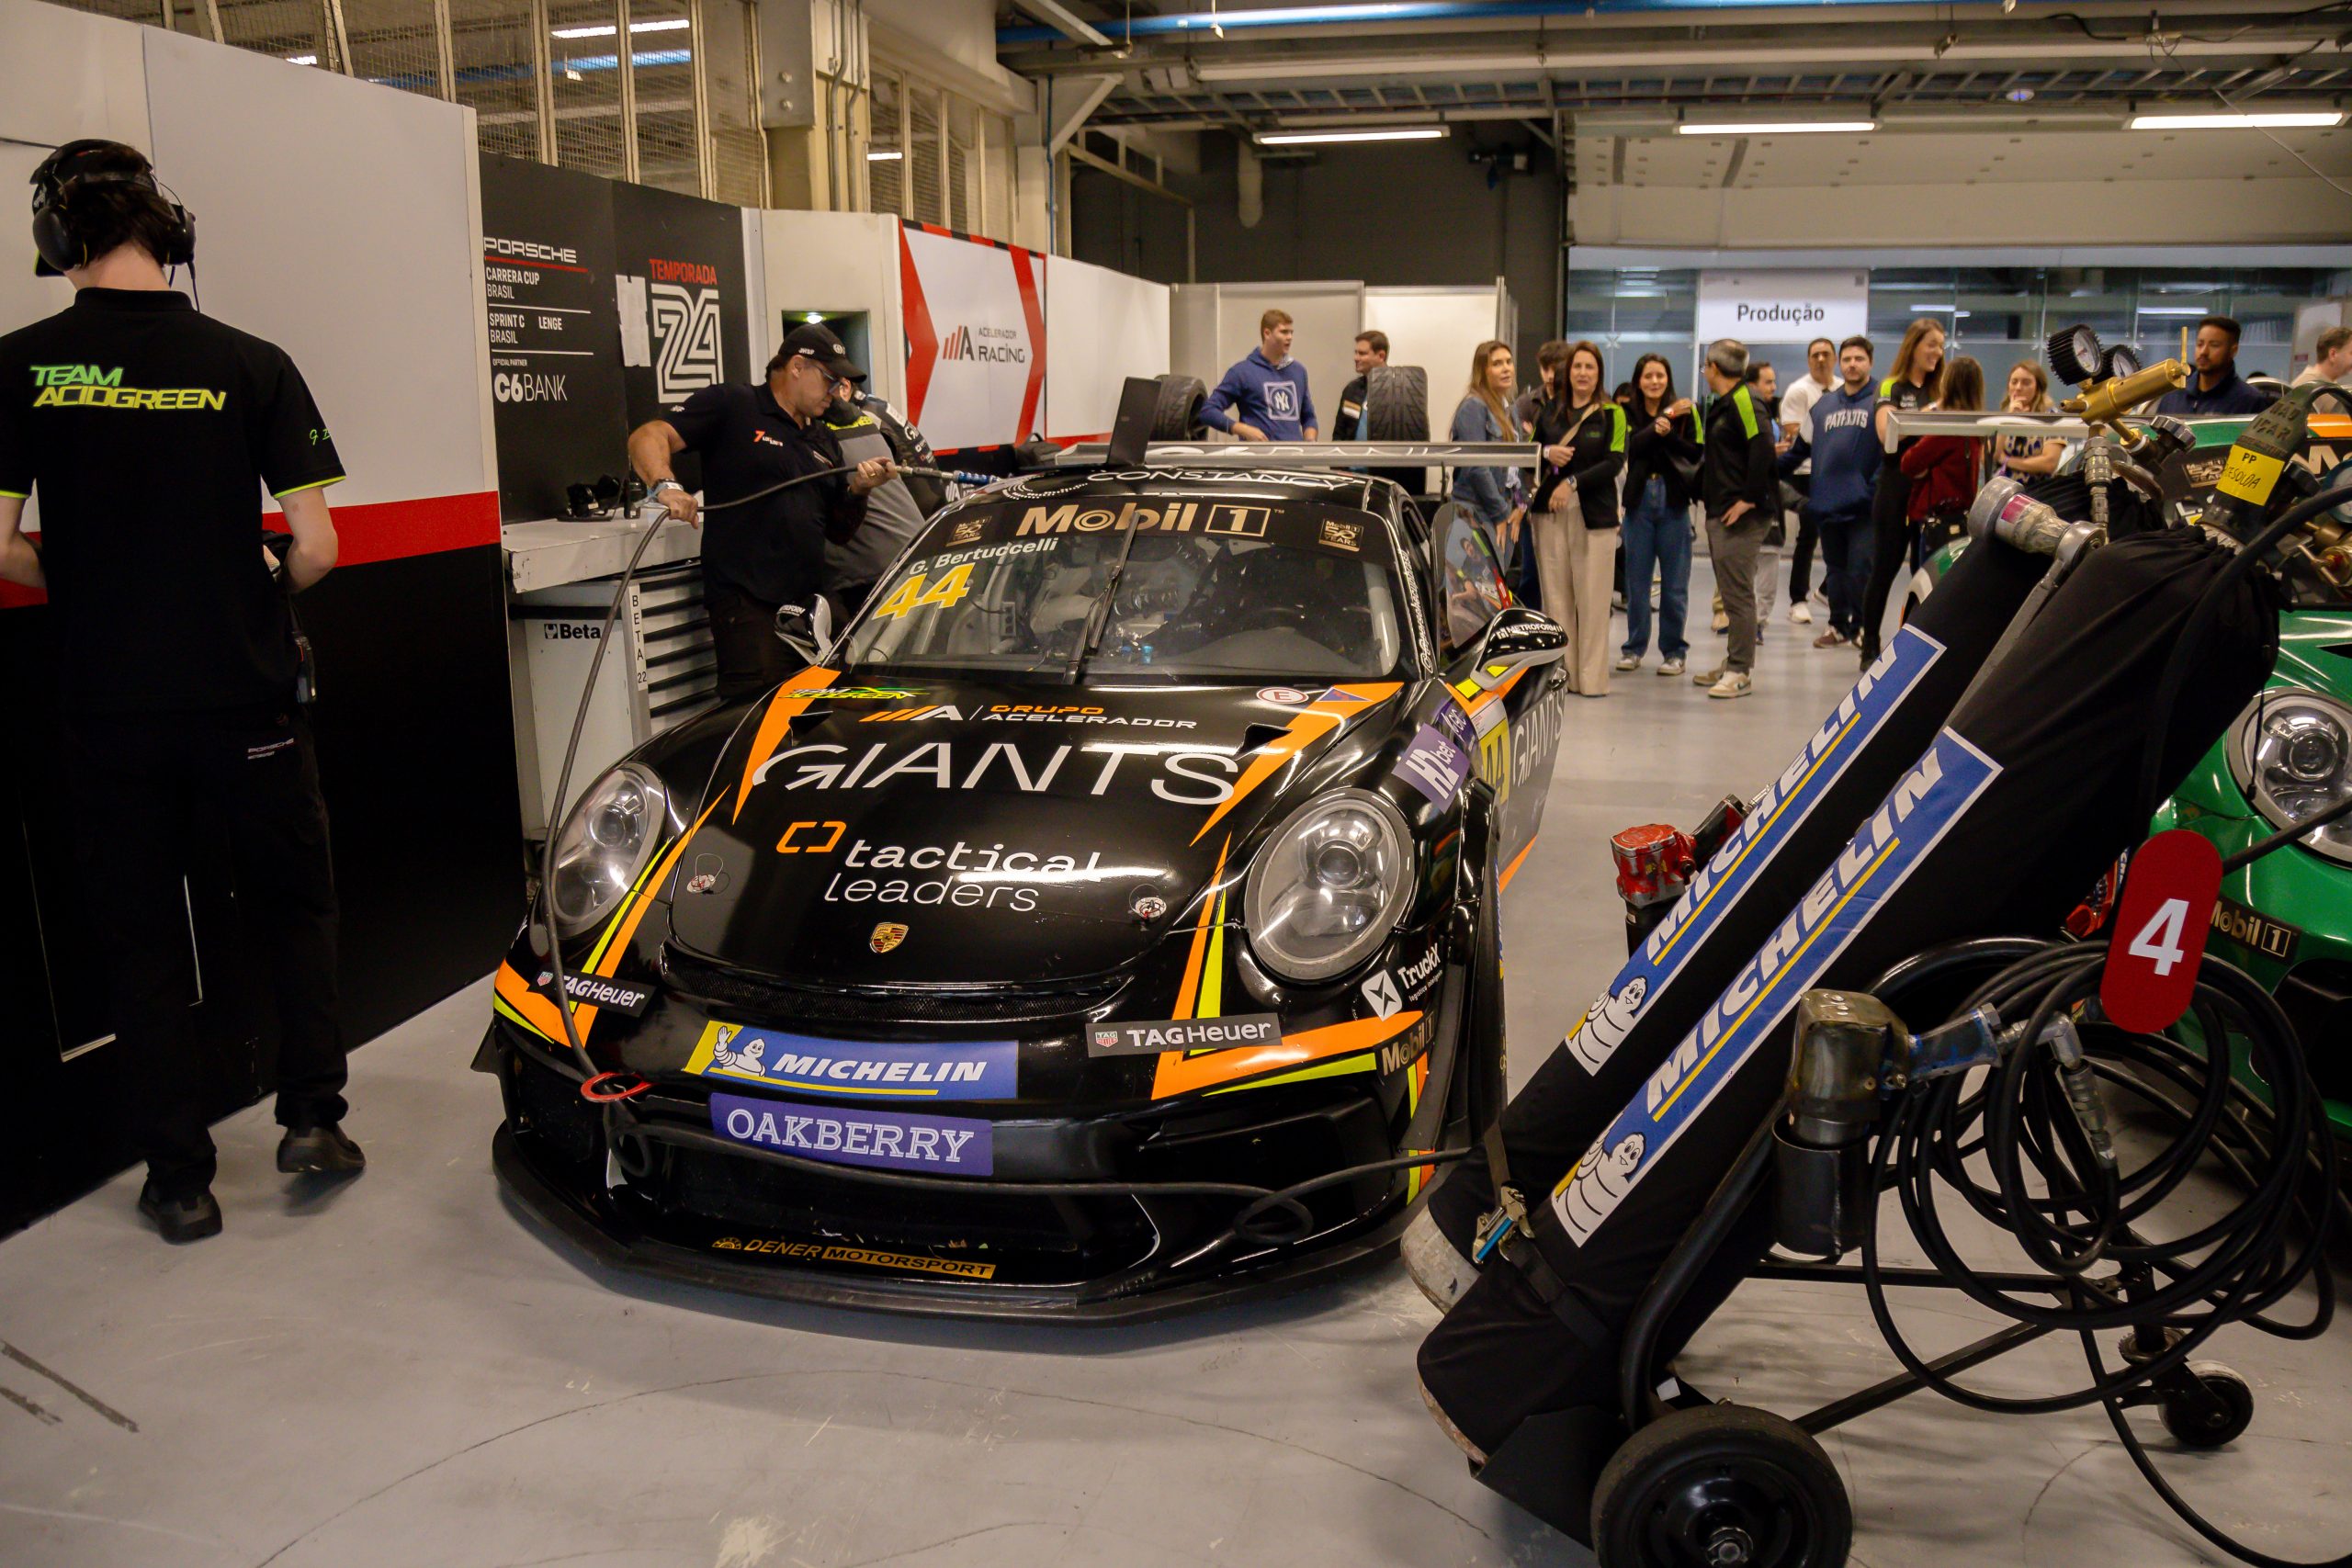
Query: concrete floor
{"points": [[398, 1373]]}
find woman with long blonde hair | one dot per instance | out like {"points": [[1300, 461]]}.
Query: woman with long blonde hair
{"points": [[1485, 416], [2022, 455], [1917, 381]]}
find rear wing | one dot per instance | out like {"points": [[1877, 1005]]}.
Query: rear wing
{"points": [[1266, 455]]}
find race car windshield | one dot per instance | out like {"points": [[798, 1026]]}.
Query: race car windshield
{"points": [[1201, 590]]}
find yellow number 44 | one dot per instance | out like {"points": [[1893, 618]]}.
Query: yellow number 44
{"points": [[910, 594]]}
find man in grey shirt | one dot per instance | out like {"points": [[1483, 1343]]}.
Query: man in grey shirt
{"points": [[895, 512]]}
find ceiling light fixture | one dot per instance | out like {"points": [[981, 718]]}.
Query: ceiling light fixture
{"points": [[2282, 119], [885, 155], [301, 60], [1381, 133], [607, 29], [1775, 128]]}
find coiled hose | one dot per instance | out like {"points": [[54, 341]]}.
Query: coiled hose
{"points": [[2011, 1149]]}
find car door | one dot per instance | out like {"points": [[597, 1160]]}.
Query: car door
{"points": [[1518, 722]]}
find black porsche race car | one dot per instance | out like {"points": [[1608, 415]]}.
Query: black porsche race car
{"points": [[1134, 854]]}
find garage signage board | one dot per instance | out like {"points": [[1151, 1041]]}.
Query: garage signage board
{"points": [[1783, 307], [976, 338], [556, 402]]}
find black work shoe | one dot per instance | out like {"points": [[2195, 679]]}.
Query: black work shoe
{"points": [[320, 1151], [181, 1219]]}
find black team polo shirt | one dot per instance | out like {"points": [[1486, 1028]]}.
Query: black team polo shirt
{"points": [[147, 432], [774, 549]]}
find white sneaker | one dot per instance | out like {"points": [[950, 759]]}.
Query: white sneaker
{"points": [[1734, 684], [1671, 666], [1800, 615], [1628, 661]]}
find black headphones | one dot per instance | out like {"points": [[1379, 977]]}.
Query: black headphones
{"points": [[53, 236]]}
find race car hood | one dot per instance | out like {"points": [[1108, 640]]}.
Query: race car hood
{"points": [[965, 833]]}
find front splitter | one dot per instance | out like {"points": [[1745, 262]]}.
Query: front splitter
{"points": [[572, 1220]]}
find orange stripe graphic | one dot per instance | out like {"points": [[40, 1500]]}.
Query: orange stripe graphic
{"points": [[1179, 1074], [539, 1009], [1326, 716], [1513, 869], [1191, 989], [777, 723]]}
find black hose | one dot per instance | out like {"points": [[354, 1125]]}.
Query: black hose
{"points": [[2012, 1150], [562, 996]]}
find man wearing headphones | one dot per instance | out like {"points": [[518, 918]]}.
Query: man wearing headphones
{"points": [[765, 553], [147, 432]]}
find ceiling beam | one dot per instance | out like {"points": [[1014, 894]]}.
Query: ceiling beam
{"points": [[1070, 25], [1068, 119]]}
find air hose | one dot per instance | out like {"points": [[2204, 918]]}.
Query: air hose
{"points": [[2073, 1211], [652, 527]]}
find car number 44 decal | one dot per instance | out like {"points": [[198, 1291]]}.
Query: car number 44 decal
{"points": [[918, 592]]}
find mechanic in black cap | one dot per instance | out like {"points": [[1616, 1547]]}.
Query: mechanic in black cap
{"points": [[770, 553], [148, 432]]}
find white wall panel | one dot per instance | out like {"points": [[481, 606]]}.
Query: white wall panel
{"points": [[837, 262], [1437, 329], [340, 221], [1101, 328]]}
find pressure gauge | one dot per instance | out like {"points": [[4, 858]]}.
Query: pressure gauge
{"points": [[2119, 361], [2075, 354]]}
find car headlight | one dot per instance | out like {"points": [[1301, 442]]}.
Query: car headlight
{"points": [[2291, 753], [604, 845], [1329, 885]]}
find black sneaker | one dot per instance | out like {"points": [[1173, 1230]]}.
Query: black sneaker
{"points": [[191, 1218], [320, 1151]]}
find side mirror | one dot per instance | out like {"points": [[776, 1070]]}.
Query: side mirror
{"points": [[1517, 638], [807, 629]]}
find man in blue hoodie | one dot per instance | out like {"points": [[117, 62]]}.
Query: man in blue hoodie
{"points": [[1839, 437], [1264, 398]]}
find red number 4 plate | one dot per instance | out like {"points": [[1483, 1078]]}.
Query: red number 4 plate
{"points": [[2160, 929]]}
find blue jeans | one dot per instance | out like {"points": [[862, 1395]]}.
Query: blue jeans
{"points": [[1658, 533], [1848, 546]]}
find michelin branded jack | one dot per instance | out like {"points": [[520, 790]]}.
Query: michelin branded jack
{"points": [[1655, 1116]]}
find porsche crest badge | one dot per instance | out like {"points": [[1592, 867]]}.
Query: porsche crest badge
{"points": [[886, 935]]}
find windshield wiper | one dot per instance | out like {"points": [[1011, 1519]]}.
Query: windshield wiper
{"points": [[1101, 617]]}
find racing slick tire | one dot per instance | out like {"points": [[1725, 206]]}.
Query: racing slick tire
{"points": [[1178, 415], [1396, 404]]}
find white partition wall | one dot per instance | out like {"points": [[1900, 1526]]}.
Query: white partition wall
{"points": [[342, 220], [1213, 324], [1101, 328], [1438, 329], [838, 262]]}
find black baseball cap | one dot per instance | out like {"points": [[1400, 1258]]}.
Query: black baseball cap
{"points": [[820, 345]]}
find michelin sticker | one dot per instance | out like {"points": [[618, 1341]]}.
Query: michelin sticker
{"points": [[1784, 807], [1749, 1014], [967, 1070], [840, 1136]]}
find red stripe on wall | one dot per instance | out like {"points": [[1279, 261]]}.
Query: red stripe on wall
{"points": [[922, 339], [1033, 310], [380, 531], [388, 530]]}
